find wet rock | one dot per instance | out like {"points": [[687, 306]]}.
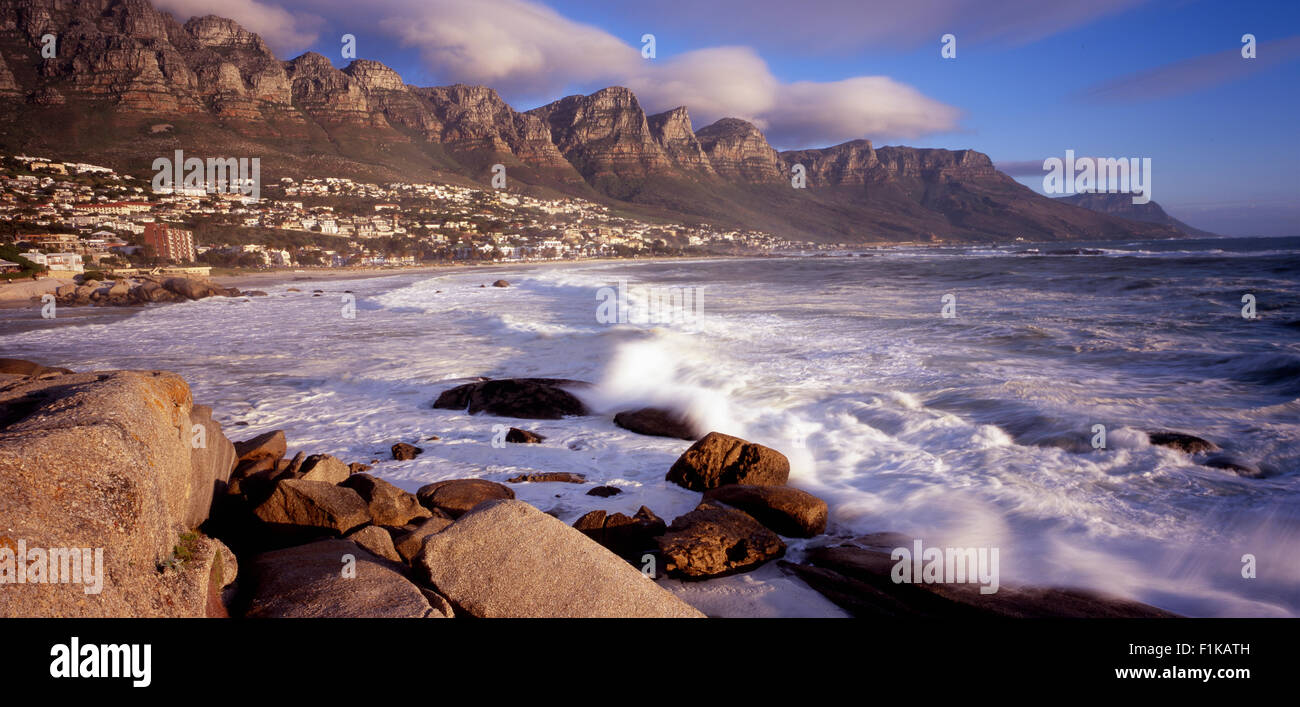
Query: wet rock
{"points": [[718, 460], [500, 283], [788, 511], [565, 477], [1237, 465], [713, 541], [605, 491], [1182, 442], [658, 422], [528, 398], [518, 436], [860, 581], [403, 451], [629, 537]]}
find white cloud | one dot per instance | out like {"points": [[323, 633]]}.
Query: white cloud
{"points": [[526, 49], [286, 32]]}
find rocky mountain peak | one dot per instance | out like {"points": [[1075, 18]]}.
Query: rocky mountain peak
{"points": [[219, 32], [737, 149], [672, 131], [374, 75]]}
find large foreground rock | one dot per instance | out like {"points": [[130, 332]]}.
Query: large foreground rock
{"points": [[712, 541], [508, 559], [720, 459], [860, 581], [457, 496], [111, 460], [788, 511], [530, 398], [308, 581], [658, 422]]}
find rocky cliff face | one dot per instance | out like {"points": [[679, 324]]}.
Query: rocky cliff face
{"points": [[604, 135], [848, 163], [1122, 205], [123, 68], [738, 150], [673, 133]]}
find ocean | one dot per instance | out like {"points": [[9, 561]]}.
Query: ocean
{"points": [[977, 429]]}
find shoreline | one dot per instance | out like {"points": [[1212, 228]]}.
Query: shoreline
{"points": [[285, 276], [246, 504]]}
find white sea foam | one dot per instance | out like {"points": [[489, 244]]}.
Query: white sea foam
{"points": [[973, 431]]}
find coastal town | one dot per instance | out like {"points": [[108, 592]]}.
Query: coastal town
{"points": [[69, 218]]}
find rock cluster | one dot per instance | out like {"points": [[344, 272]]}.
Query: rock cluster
{"points": [[139, 290]]}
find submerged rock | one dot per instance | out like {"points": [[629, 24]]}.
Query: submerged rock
{"points": [[1183, 442], [518, 436], [860, 581], [528, 398], [564, 477], [403, 451], [658, 422]]}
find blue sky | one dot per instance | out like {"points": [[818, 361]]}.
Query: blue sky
{"points": [[1162, 79]]}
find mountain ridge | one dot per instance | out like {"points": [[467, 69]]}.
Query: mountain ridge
{"points": [[130, 83]]}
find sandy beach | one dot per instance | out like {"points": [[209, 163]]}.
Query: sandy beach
{"points": [[20, 293]]}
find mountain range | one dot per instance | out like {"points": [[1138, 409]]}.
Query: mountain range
{"points": [[130, 83]]}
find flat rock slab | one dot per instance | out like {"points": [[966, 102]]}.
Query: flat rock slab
{"points": [[308, 581], [718, 460], [860, 581], [458, 496], [788, 511], [508, 559], [712, 541]]}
